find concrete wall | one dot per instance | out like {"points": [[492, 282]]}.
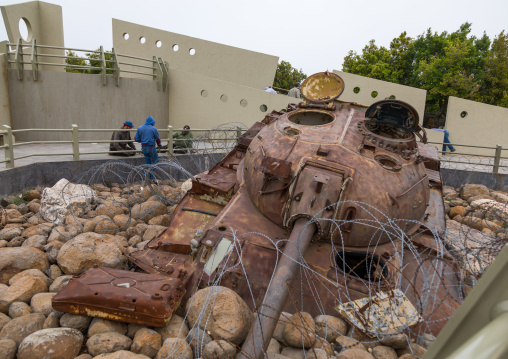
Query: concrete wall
{"points": [[482, 125], [60, 99], [211, 59], [413, 96], [203, 102], [5, 109], [45, 24]]}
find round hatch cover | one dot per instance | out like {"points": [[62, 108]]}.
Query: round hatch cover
{"points": [[322, 87]]}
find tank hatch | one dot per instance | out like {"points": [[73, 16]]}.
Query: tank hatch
{"points": [[323, 87]]}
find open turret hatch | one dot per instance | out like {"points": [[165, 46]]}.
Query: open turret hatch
{"points": [[321, 89]]}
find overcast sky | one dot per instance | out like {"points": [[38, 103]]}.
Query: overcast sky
{"points": [[311, 35]]}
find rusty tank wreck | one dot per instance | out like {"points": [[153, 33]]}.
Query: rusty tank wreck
{"points": [[324, 203]]}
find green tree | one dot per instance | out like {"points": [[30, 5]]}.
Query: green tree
{"points": [[495, 89], [286, 76], [76, 61], [94, 58]]}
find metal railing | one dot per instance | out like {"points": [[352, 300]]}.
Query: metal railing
{"points": [[460, 159], [157, 67], [9, 144]]}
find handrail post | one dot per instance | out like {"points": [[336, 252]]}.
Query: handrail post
{"points": [[9, 150], [34, 60], [157, 71], [238, 133], [170, 140], [116, 68], [103, 66], [497, 159], [19, 59], [75, 142]]}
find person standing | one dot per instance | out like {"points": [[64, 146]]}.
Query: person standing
{"points": [[148, 136], [118, 148], [446, 141], [183, 141], [295, 91]]}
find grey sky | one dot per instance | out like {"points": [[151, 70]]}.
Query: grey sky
{"points": [[312, 35]]}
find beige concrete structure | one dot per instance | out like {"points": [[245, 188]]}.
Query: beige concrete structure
{"points": [[185, 53], [44, 22], [366, 86], [478, 124], [203, 102], [5, 107], [60, 99]]}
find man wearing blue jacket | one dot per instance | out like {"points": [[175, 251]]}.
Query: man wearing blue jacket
{"points": [[148, 136]]}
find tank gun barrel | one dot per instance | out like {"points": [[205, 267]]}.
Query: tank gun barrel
{"points": [[263, 327]]}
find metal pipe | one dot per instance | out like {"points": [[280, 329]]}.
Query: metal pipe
{"points": [[262, 329]]}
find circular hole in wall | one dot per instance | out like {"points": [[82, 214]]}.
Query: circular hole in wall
{"points": [[25, 29], [223, 98], [126, 36], [204, 93], [243, 103], [158, 43], [142, 39], [374, 94], [356, 89], [175, 47], [263, 108], [192, 52], [463, 114]]}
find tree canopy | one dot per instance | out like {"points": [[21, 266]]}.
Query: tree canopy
{"points": [[286, 76], [91, 59], [446, 64]]}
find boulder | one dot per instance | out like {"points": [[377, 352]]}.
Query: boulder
{"points": [[16, 242], [37, 241], [163, 220], [100, 325], [278, 333], [87, 249], [414, 349], [148, 210], [8, 348], [300, 331], [41, 303], [19, 309], [322, 344], [52, 320], [218, 349], [109, 209], [153, 231], [425, 340], [470, 190], [457, 210], [55, 200], [89, 226], [132, 329], [273, 347], [15, 260], [22, 291], [59, 283], [330, 327], [107, 343], [384, 352], [7, 234], [61, 343], [34, 207], [39, 230], [121, 354], [75, 321], [396, 341], [198, 338], [31, 195], [175, 328], [146, 342], [31, 273], [221, 312], [318, 354], [354, 354], [19, 328], [175, 348], [106, 227], [53, 272], [52, 249], [294, 353], [4, 319], [500, 197]]}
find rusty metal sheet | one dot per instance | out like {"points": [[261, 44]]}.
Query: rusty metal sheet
{"points": [[219, 182], [430, 156], [113, 294], [191, 214], [246, 138]]}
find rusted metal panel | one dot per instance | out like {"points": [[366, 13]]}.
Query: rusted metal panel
{"points": [[114, 294]]}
